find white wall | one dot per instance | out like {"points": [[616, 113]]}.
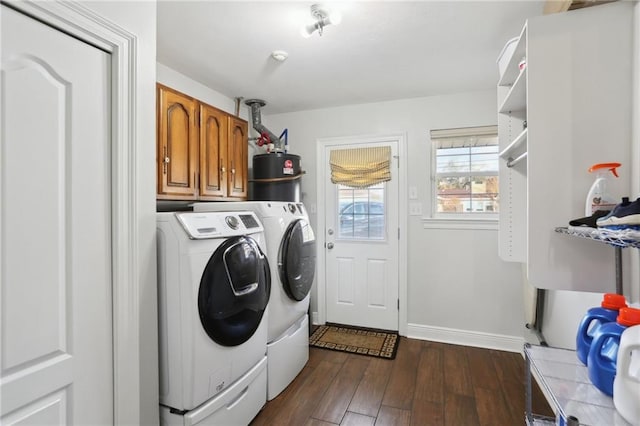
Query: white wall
{"points": [[457, 285], [172, 78], [139, 18]]}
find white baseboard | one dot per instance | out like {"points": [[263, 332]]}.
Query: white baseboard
{"points": [[458, 337], [466, 337]]}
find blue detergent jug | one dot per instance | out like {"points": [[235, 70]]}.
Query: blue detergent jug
{"points": [[607, 312], [603, 354]]}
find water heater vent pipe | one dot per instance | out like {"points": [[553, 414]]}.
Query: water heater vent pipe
{"points": [[256, 120]]}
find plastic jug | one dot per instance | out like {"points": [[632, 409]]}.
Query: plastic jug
{"points": [[606, 312], [598, 198], [626, 385], [603, 354]]}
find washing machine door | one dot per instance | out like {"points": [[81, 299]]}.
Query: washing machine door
{"points": [[234, 291], [297, 259]]}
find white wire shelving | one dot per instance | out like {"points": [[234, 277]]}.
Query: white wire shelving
{"points": [[618, 238], [564, 382]]}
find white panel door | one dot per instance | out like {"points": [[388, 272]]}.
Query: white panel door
{"points": [[56, 353], [361, 250]]}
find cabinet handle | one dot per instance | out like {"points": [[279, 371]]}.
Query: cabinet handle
{"points": [[233, 169], [165, 161], [223, 170]]}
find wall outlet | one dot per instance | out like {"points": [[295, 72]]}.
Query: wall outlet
{"points": [[415, 209]]}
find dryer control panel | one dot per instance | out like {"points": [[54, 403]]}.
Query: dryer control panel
{"points": [[293, 209], [296, 208], [219, 224]]}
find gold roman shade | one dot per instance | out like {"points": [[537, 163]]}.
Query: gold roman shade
{"points": [[361, 167]]}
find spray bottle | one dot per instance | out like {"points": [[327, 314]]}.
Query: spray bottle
{"points": [[598, 198]]}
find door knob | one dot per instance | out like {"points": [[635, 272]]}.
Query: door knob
{"points": [[329, 246], [330, 231]]}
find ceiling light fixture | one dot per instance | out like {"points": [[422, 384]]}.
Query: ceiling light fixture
{"points": [[321, 18]]}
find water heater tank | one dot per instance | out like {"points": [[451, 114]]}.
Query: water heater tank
{"points": [[276, 177]]}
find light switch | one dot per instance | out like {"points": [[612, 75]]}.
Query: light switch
{"points": [[413, 192]]}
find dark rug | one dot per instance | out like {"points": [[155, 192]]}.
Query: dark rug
{"points": [[357, 340]]}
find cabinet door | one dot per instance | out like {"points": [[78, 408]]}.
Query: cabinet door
{"points": [[213, 152], [177, 145], [238, 147]]}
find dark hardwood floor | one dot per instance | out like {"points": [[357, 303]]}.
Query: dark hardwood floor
{"points": [[428, 383]]}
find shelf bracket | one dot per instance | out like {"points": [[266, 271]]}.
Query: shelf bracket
{"points": [[513, 161]]}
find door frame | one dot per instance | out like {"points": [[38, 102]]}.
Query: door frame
{"points": [[323, 174], [84, 24]]}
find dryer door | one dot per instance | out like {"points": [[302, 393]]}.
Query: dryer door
{"points": [[297, 259], [234, 291]]}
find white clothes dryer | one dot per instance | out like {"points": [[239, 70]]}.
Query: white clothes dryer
{"points": [[291, 250], [213, 291]]}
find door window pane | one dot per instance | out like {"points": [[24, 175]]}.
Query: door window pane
{"points": [[361, 213]]}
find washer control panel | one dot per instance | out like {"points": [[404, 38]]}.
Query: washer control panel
{"points": [[219, 224], [232, 221], [264, 209], [249, 220]]}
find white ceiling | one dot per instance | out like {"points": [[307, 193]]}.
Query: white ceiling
{"points": [[381, 51]]}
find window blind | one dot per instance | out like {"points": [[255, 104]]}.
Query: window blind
{"points": [[361, 167], [465, 137]]}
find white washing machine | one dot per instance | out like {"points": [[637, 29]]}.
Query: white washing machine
{"points": [[213, 292], [291, 250]]}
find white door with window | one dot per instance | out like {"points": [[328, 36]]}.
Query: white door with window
{"points": [[361, 246], [55, 228]]}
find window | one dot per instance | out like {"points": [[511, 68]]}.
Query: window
{"points": [[465, 170], [361, 212]]}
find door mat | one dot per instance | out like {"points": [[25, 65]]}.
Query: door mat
{"points": [[363, 341]]}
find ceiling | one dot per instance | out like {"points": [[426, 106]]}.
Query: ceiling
{"points": [[381, 51]]}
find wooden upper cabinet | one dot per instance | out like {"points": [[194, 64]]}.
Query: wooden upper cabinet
{"points": [[177, 149], [213, 152], [202, 152], [238, 157]]}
